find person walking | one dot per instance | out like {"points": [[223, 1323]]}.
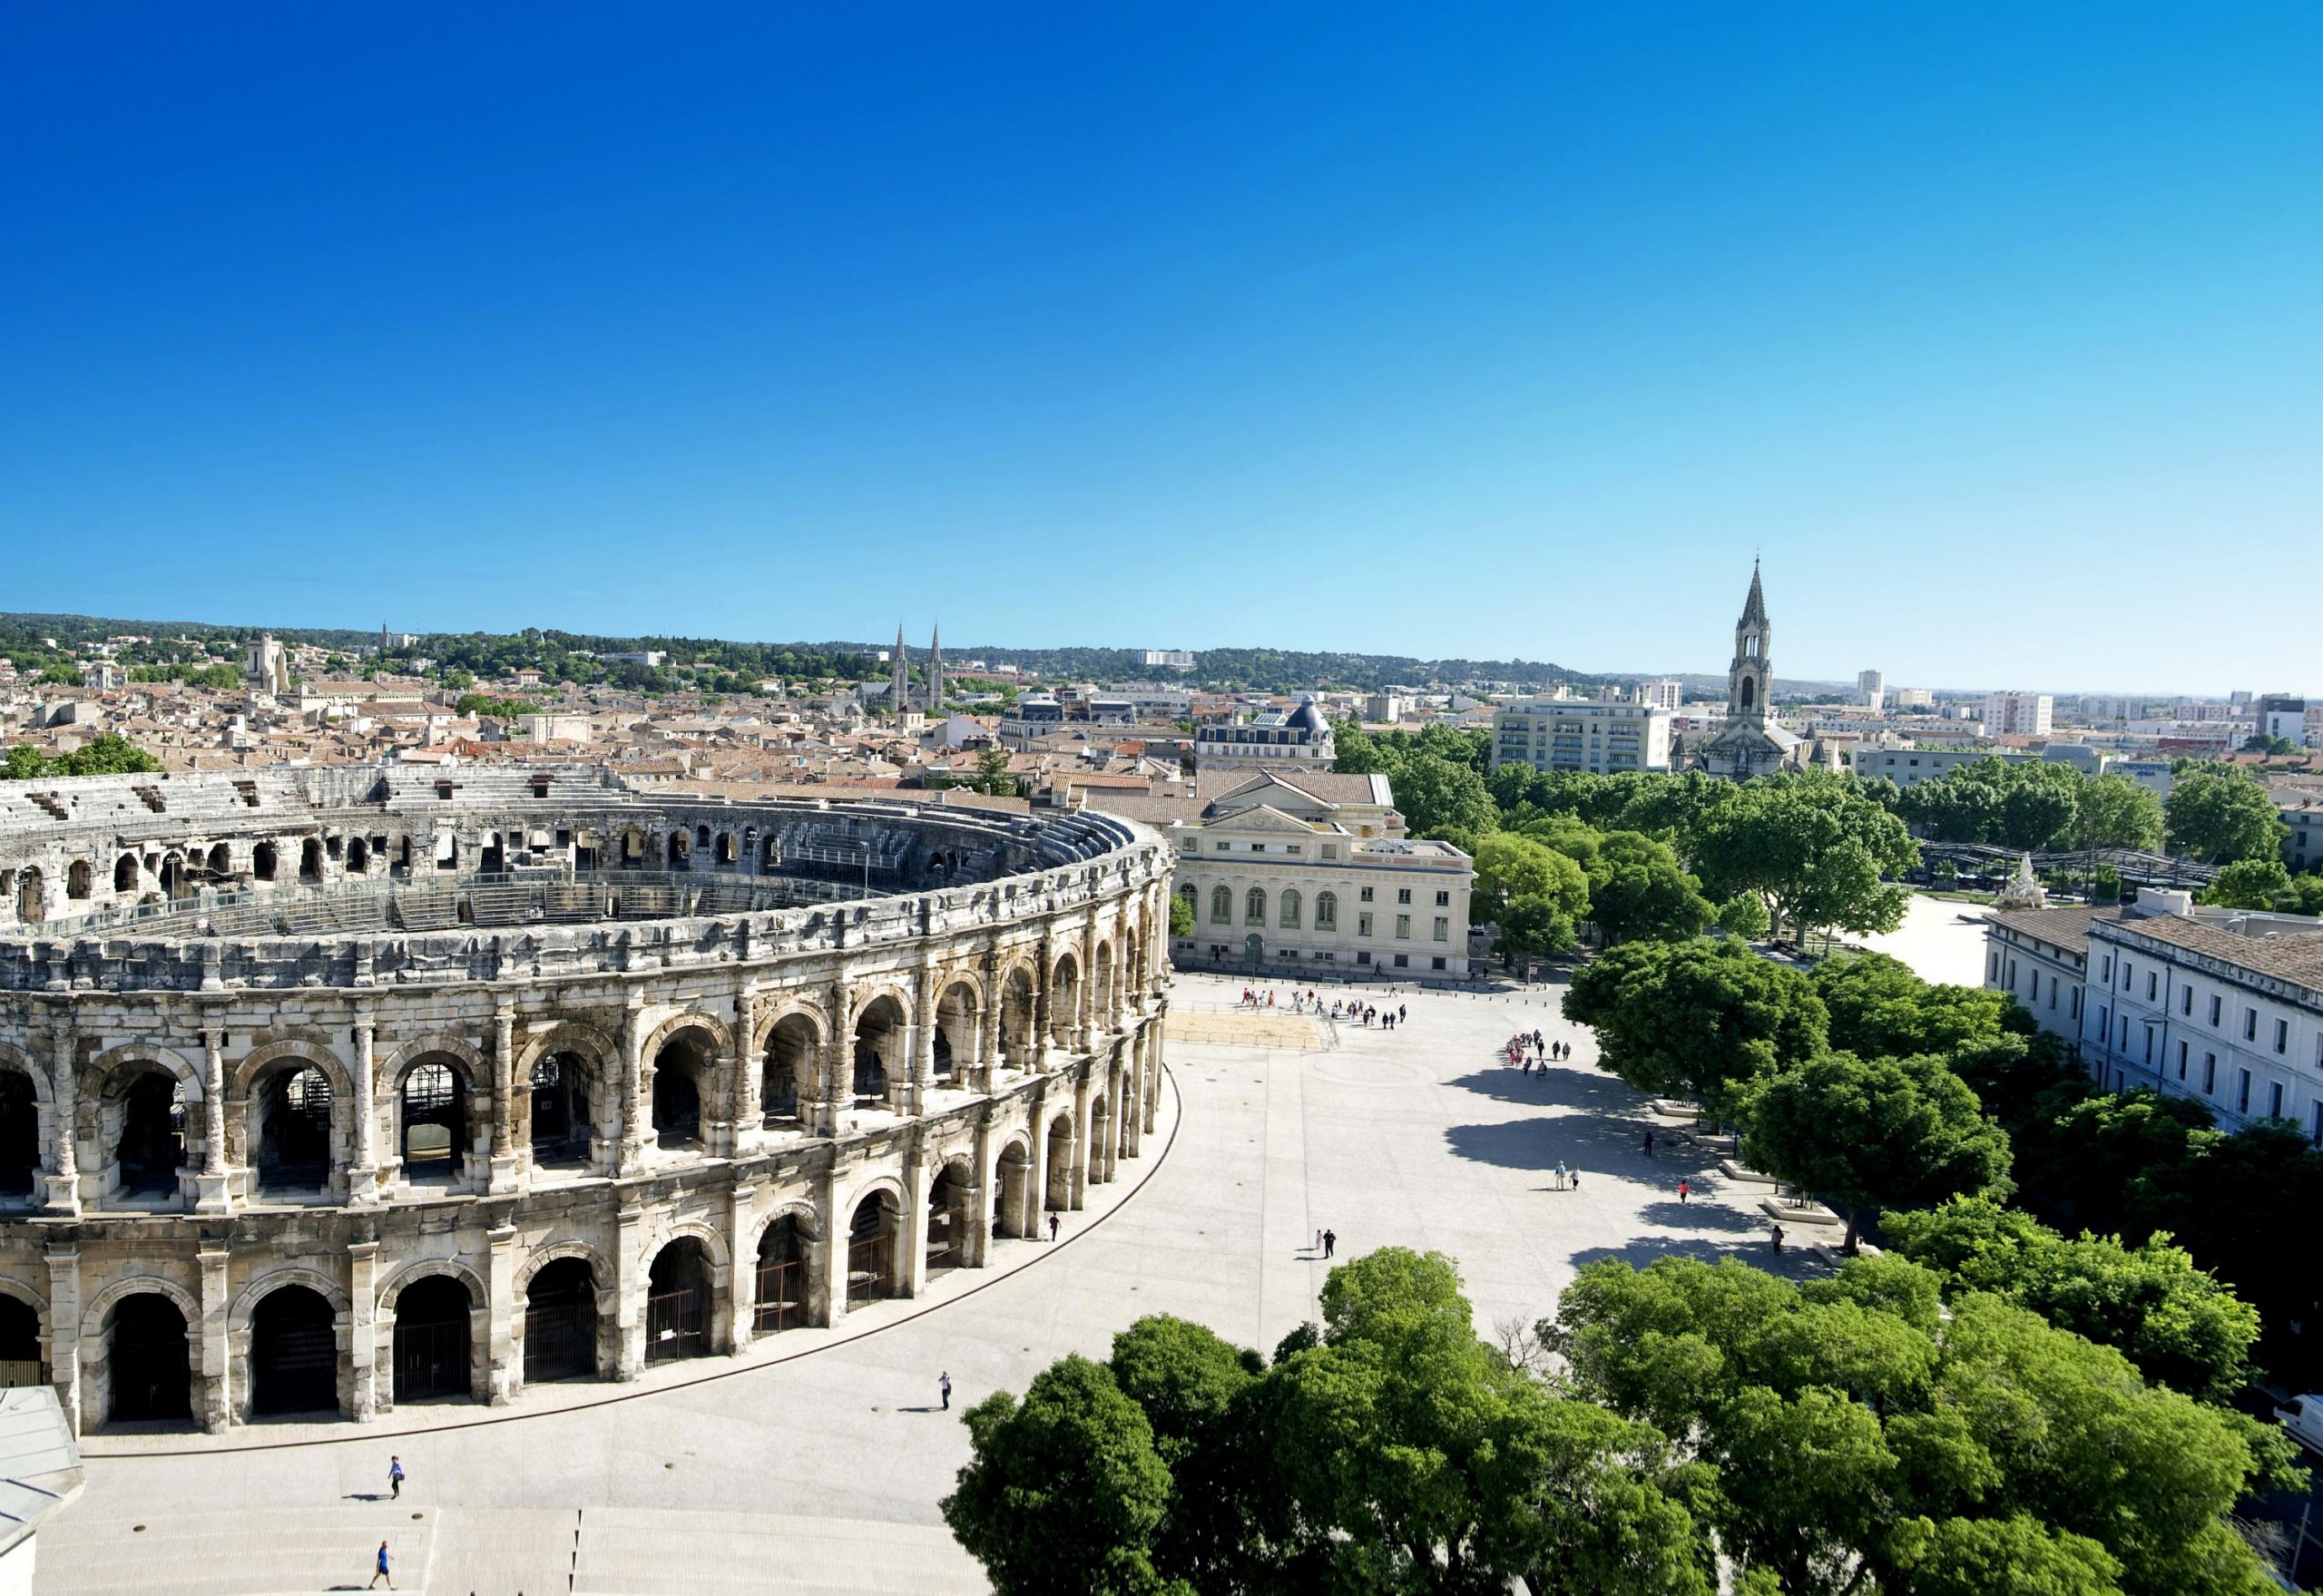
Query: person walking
{"points": [[395, 1478], [1402, 1012], [1685, 1188], [1574, 1179], [1776, 1240], [1560, 1174], [944, 1385], [1648, 1144], [1330, 1242], [380, 1571], [1054, 1223]]}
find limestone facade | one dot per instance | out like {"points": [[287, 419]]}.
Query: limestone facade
{"points": [[548, 1079]]}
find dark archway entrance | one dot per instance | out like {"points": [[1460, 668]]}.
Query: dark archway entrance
{"points": [[152, 1134], [677, 1109], [432, 1339], [294, 1130], [782, 1277], [310, 860], [871, 1249], [878, 1051], [19, 1134], [949, 1215], [788, 1070], [435, 1121], [147, 1359], [1060, 1162], [20, 1360], [560, 1125], [677, 1303], [294, 1353], [560, 1322], [1011, 1215]]}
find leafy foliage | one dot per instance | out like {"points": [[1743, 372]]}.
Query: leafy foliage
{"points": [[1696, 1018], [2221, 814], [1878, 1005], [110, 755], [1813, 847]]}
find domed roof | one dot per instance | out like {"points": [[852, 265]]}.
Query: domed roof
{"points": [[1307, 717]]}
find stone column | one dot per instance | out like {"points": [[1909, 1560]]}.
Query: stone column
{"points": [[213, 1192], [823, 1115], [988, 1060], [750, 1111], [829, 1291], [507, 1376], [363, 1179], [1151, 1107], [213, 1398], [64, 1185], [504, 1107], [911, 1224], [743, 1297], [1043, 981], [1080, 1139], [631, 1284], [64, 1331], [631, 1155], [363, 1330], [913, 1100], [976, 1249], [1085, 1016]]}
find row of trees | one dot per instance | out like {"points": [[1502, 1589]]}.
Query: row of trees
{"points": [[110, 755], [1706, 1428], [2216, 813]]}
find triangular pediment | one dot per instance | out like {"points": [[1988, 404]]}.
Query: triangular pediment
{"points": [[1263, 817], [1271, 789]]}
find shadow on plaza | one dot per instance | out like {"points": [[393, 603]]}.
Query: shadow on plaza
{"points": [[1793, 1263], [1602, 1146], [1562, 1086]]}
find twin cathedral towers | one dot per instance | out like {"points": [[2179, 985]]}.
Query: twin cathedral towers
{"points": [[930, 698]]}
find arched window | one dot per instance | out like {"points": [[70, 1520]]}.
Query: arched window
{"points": [[124, 874], [1221, 905], [1290, 910], [294, 1129], [310, 859], [1749, 692], [152, 1134], [76, 878], [560, 1109], [264, 859], [782, 1277], [1326, 911], [435, 1120], [1254, 906]]}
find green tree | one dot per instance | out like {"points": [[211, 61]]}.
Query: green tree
{"points": [[1182, 914], [2219, 814], [2249, 884], [2114, 811], [1814, 848], [1509, 867], [1873, 1133], [1536, 924], [1696, 1019], [1879, 1006], [1637, 888], [1744, 917], [1066, 1492], [2176, 1322], [992, 777], [1440, 798]]}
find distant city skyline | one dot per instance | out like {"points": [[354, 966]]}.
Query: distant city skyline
{"points": [[1508, 331]]}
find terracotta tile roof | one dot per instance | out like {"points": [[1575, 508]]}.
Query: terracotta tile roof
{"points": [[2296, 956]]}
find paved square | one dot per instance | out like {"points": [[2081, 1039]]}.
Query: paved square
{"points": [[822, 1472]]}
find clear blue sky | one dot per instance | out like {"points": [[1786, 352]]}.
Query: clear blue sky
{"points": [[1481, 330]]}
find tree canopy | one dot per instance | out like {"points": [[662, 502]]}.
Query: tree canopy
{"points": [[1877, 1004], [110, 755], [1696, 1018], [1813, 847], [2220, 814]]}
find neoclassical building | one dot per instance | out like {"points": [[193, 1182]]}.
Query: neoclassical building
{"points": [[343, 1088]]}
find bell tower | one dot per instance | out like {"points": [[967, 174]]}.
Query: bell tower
{"points": [[1750, 679]]}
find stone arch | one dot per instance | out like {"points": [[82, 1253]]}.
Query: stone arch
{"points": [[252, 1082], [246, 1301], [721, 1033], [797, 1210], [423, 1268], [602, 1049], [790, 1062], [305, 1049], [20, 1291], [958, 1020], [877, 1056], [891, 1184], [549, 1252], [685, 1071], [798, 1004], [1064, 998], [405, 1059], [101, 1306], [1105, 986], [1019, 1010], [98, 1074], [713, 1245], [15, 1058], [868, 996], [125, 875], [950, 1216]]}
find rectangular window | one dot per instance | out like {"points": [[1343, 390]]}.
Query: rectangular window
{"points": [[1436, 963], [1366, 895], [2274, 1099], [1404, 925], [2242, 1092], [2012, 975], [1443, 927], [1442, 900], [1363, 924], [2181, 1061], [1223, 847], [2149, 1044], [2215, 1002], [2129, 976], [1403, 961], [2073, 1003], [1330, 850], [1402, 895], [2186, 1000], [2053, 990], [2152, 981], [2104, 1019], [1993, 974], [2209, 1074], [2107, 974], [1364, 957], [2249, 1024], [2282, 1035], [1290, 847]]}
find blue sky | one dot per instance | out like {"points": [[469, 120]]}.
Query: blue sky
{"points": [[1481, 330]]}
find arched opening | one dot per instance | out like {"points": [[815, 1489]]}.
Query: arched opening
{"points": [[560, 1322], [727, 852], [294, 1353], [1288, 913], [677, 1302], [152, 1134], [32, 902], [264, 860], [1019, 1047], [1254, 949], [1221, 905], [682, 1072], [560, 1124], [1254, 906], [782, 1276], [680, 851], [174, 878], [871, 1248], [1060, 1162], [949, 1214], [635, 849], [1326, 911], [1749, 693], [788, 1073], [147, 1361], [879, 1036], [358, 855], [76, 879], [493, 859], [955, 1031], [222, 861], [1064, 1003], [124, 872], [435, 1121], [1104, 977], [431, 1349], [1012, 1212], [19, 1134], [294, 1130], [310, 860], [20, 1359]]}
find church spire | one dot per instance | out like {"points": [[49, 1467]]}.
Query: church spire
{"points": [[935, 669], [1750, 678], [899, 695], [1754, 608]]}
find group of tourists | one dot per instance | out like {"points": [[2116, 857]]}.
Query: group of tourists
{"points": [[1369, 1014], [1528, 1048]]}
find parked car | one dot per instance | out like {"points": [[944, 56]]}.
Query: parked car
{"points": [[2303, 1417]]}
